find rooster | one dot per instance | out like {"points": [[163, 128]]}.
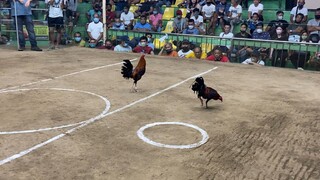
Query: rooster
{"points": [[205, 92], [128, 72]]}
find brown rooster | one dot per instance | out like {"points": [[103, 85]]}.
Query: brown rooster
{"points": [[205, 92], [128, 72]]}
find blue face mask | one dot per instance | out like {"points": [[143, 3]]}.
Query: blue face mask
{"points": [[125, 45], [77, 39], [92, 45], [118, 24], [155, 12], [95, 20]]}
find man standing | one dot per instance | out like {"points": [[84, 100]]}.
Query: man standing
{"points": [[24, 17]]}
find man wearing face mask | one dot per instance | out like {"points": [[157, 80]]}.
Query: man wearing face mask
{"points": [[198, 21], [259, 33], [96, 10], [78, 41], [271, 28], [122, 46], [110, 16], [95, 29], [185, 49], [299, 9], [241, 51], [150, 40], [117, 24], [127, 18], [179, 23], [191, 29], [107, 45], [314, 24], [142, 25], [296, 28], [143, 47]]}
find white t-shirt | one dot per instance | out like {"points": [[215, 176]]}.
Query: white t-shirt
{"points": [[126, 18], [254, 9], [119, 48], [55, 9], [199, 20], [208, 10], [303, 11], [229, 35], [95, 29], [183, 54], [249, 61], [235, 11]]}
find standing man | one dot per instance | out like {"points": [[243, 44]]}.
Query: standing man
{"points": [[24, 17], [55, 22]]}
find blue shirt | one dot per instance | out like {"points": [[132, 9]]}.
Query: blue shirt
{"points": [[263, 35], [144, 26], [223, 7], [121, 27], [191, 31], [21, 9]]}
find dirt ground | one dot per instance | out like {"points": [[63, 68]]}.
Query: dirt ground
{"points": [[268, 126]]}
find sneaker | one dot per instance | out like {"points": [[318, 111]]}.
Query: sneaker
{"points": [[22, 48], [36, 48]]}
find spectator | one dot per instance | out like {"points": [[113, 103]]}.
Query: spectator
{"points": [[95, 10], [296, 29], [315, 62], [260, 34], [252, 23], [55, 22], [143, 47], [142, 25], [71, 13], [145, 9], [118, 25], [110, 16], [95, 29], [92, 43], [271, 28], [255, 59], [127, 18], [222, 10], [191, 5], [185, 49], [256, 7], [179, 23], [163, 2], [150, 40], [78, 41], [122, 46], [235, 13], [167, 50], [107, 45], [156, 20], [120, 6], [314, 24], [197, 54], [226, 34], [297, 10], [217, 56], [279, 56], [24, 17], [241, 51], [298, 58], [208, 12], [191, 29], [198, 21]]}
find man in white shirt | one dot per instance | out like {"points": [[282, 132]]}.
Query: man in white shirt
{"points": [[314, 24], [209, 10], [55, 22], [185, 49], [256, 7], [235, 12], [226, 34], [255, 59], [127, 18], [123, 46], [299, 9], [198, 21], [95, 29]]}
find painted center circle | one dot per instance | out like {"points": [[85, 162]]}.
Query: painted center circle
{"points": [[204, 134], [43, 109]]}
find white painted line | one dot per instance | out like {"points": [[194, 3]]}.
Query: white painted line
{"points": [[62, 76], [27, 151], [204, 134], [106, 109]]}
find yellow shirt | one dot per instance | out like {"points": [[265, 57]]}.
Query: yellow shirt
{"points": [[192, 55]]}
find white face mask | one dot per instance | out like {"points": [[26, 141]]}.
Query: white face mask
{"points": [[279, 31], [259, 30], [280, 17], [190, 27]]}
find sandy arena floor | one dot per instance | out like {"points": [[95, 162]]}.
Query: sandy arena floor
{"points": [[268, 126]]}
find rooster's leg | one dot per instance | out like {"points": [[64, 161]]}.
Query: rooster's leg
{"points": [[201, 101], [135, 87], [207, 103]]}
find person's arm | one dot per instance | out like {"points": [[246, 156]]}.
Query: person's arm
{"points": [[313, 28], [161, 51], [90, 36], [291, 18]]}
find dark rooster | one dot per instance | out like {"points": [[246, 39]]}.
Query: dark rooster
{"points": [[205, 92], [128, 72]]}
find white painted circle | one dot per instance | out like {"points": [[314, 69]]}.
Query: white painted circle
{"points": [[204, 134], [106, 109]]}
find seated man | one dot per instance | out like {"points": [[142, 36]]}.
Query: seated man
{"points": [[150, 40], [143, 47], [191, 29], [241, 51], [254, 60], [226, 34], [95, 10], [118, 25], [107, 45], [295, 30], [299, 9], [217, 56], [127, 18], [197, 54], [256, 7], [110, 16], [209, 11], [142, 25], [314, 24], [179, 23], [198, 21], [222, 10], [78, 41], [235, 13], [185, 49], [167, 50], [252, 23], [156, 20], [123, 46], [271, 28], [145, 9], [95, 29]]}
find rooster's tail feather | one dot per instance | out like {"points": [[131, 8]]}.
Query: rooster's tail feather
{"points": [[126, 69]]}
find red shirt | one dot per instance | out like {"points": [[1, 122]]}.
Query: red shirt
{"points": [[103, 47], [140, 49], [110, 17], [223, 59]]}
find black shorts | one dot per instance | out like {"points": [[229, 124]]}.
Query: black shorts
{"points": [[56, 22]]}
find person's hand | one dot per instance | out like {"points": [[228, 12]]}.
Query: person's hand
{"points": [[27, 4]]}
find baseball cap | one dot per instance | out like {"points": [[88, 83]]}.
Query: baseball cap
{"points": [[179, 12]]}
